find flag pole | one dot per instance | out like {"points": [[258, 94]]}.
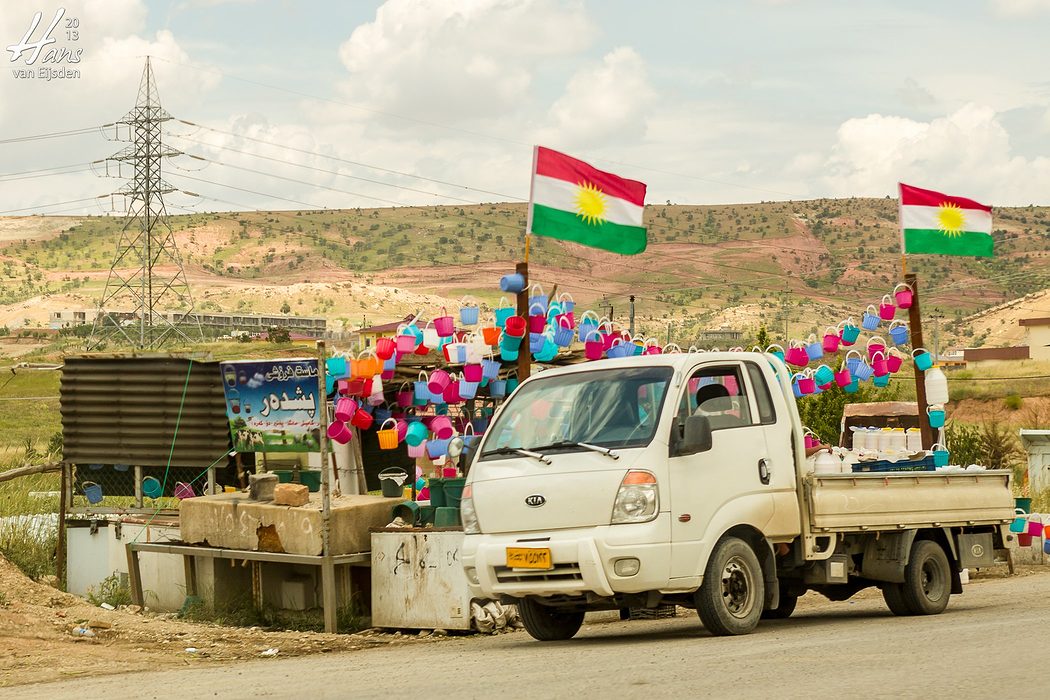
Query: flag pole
{"points": [[900, 225], [525, 353]]}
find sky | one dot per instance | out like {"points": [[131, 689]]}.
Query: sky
{"points": [[360, 103]]}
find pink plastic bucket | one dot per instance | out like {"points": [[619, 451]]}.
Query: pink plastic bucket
{"points": [[439, 379], [406, 344], [451, 393], [441, 426], [344, 409], [904, 295], [417, 450], [879, 366], [340, 432], [807, 385], [184, 491], [887, 309], [472, 373], [831, 340], [445, 326], [843, 377]]}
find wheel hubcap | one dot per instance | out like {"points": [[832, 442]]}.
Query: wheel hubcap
{"points": [[737, 588], [932, 581]]}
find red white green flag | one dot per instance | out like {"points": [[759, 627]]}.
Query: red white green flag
{"points": [[574, 201], [942, 224]]}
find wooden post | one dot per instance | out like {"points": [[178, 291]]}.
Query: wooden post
{"points": [[329, 598], [60, 554], [915, 322], [322, 420], [134, 575], [525, 353]]}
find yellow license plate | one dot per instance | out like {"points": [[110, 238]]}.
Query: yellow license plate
{"points": [[529, 558]]}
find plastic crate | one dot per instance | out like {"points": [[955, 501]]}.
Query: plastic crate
{"points": [[916, 465]]}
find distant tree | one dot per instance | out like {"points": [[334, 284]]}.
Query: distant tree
{"points": [[285, 308], [278, 334]]}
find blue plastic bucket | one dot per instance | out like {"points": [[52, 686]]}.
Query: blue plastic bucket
{"points": [[93, 492], [512, 283], [923, 359], [468, 315], [498, 388]]}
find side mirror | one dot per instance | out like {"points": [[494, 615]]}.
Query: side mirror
{"points": [[697, 436]]}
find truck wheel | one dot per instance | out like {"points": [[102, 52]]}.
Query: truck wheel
{"points": [[783, 610], [894, 597], [927, 579], [730, 600], [548, 624]]}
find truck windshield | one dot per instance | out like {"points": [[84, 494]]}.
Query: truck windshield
{"points": [[608, 408]]}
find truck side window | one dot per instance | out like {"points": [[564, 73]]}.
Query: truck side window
{"points": [[766, 412], [720, 394]]}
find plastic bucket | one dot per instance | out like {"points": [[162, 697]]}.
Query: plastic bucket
{"points": [[871, 319], [852, 387], [863, 372], [416, 434], [339, 432], [884, 380], [936, 417], [814, 350], [903, 295], [472, 373], [184, 490], [898, 333], [501, 315], [387, 435], [336, 367], [878, 365], [515, 327], [437, 493], [831, 341], [824, 375], [441, 427], [454, 490], [151, 487], [923, 359], [93, 491], [468, 315], [490, 334], [437, 448], [887, 309], [392, 480], [416, 451], [849, 334], [489, 369], [446, 517], [512, 283], [445, 326], [439, 379], [468, 390], [940, 456], [345, 409], [498, 388]]}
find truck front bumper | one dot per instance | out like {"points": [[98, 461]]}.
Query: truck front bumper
{"points": [[583, 561]]}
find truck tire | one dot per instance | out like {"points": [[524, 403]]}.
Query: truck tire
{"points": [[730, 600], [784, 608], [927, 579], [894, 597], [548, 624]]}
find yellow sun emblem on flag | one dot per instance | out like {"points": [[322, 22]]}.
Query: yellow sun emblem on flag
{"points": [[951, 219], [590, 203]]}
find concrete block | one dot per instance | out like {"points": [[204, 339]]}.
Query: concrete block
{"points": [[291, 495], [261, 486], [234, 521]]}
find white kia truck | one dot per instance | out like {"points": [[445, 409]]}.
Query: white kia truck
{"points": [[682, 479]]}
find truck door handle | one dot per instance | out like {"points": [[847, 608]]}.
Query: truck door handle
{"points": [[764, 471]]}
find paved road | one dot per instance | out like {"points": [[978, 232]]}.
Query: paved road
{"points": [[992, 641]]}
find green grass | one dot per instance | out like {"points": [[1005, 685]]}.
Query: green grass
{"points": [[28, 420]]}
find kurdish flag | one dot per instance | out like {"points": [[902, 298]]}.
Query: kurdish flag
{"points": [[575, 202], [932, 222]]}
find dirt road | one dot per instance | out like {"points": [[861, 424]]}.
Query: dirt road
{"points": [[990, 642]]}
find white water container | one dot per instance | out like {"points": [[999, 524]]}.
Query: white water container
{"points": [[884, 440], [827, 463], [898, 440], [936, 386], [914, 440], [860, 438]]}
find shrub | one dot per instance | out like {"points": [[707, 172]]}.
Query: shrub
{"points": [[1013, 402], [113, 590]]}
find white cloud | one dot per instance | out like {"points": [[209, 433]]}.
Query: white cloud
{"points": [[1020, 8], [457, 59], [602, 103], [967, 151]]}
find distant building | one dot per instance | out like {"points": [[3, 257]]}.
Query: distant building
{"points": [[720, 335], [304, 326], [974, 356], [366, 337], [1038, 337]]}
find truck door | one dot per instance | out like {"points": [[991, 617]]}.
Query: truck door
{"points": [[727, 485]]}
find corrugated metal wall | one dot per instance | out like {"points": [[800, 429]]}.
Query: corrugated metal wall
{"points": [[124, 410]]}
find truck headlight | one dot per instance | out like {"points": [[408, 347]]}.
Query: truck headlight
{"points": [[637, 500]]}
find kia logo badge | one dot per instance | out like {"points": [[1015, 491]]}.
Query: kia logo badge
{"points": [[535, 501]]}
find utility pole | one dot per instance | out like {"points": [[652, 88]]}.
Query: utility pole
{"points": [[162, 302], [631, 326], [937, 339]]}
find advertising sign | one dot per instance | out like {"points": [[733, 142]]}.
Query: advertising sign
{"points": [[272, 405]]}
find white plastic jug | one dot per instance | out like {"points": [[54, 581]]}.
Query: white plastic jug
{"points": [[828, 463], [898, 441], [936, 386], [914, 439], [860, 438]]}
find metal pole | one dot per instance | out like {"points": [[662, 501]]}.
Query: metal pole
{"points": [[631, 317], [322, 417], [60, 555], [915, 322]]}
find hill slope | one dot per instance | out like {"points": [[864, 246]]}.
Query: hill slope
{"points": [[806, 263]]}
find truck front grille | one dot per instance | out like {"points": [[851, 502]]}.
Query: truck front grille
{"points": [[560, 572]]}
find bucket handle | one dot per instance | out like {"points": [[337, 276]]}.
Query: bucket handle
{"points": [[848, 321], [565, 295], [535, 285], [934, 446], [469, 426], [388, 420], [587, 313], [888, 300], [563, 322], [464, 301], [924, 350], [503, 303], [673, 349], [898, 321], [831, 330], [774, 345], [536, 306], [423, 376], [811, 339], [903, 284], [873, 338], [871, 310]]}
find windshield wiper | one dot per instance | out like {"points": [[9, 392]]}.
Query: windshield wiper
{"points": [[516, 451], [572, 443]]}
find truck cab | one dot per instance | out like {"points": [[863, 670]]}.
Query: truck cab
{"points": [[674, 479]]}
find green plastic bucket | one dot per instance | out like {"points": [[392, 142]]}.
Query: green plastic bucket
{"points": [[310, 477], [426, 515], [437, 493], [446, 517], [407, 511], [1024, 504], [454, 491]]}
